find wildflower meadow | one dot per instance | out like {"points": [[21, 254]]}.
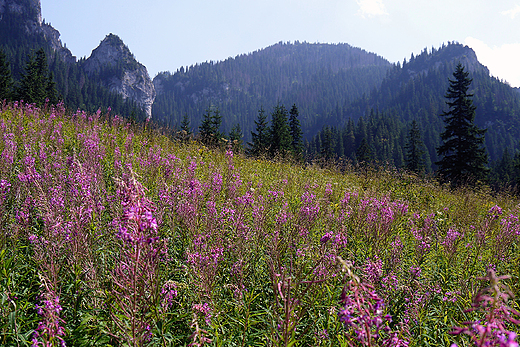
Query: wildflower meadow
{"points": [[113, 234]]}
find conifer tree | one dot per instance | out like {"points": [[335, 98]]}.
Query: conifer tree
{"points": [[415, 149], [37, 83], [235, 136], [210, 127], [50, 90], [296, 133], [327, 143], [6, 80], [260, 139], [280, 135], [464, 158], [364, 152], [185, 124]]}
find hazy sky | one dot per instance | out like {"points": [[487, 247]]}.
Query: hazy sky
{"points": [[167, 34]]}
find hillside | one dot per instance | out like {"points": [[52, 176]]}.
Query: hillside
{"points": [[317, 77], [416, 90], [112, 234]]}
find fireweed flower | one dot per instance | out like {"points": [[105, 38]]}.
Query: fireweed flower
{"points": [[49, 328], [362, 313], [492, 301], [135, 275], [205, 310], [451, 242], [495, 212]]}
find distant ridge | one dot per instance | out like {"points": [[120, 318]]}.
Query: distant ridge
{"points": [[314, 76]]}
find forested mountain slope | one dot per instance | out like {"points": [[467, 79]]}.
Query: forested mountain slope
{"points": [[316, 77], [416, 90]]}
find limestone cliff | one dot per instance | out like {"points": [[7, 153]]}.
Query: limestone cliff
{"points": [[120, 72]]}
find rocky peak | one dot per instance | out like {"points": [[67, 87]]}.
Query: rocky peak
{"points": [[453, 53], [121, 72], [26, 16]]}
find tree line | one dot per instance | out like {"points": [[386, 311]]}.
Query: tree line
{"points": [[461, 159]]}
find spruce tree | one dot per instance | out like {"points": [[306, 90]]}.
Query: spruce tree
{"points": [[364, 153], [464, 158], [296, 133], [6, 80], [51, 93], [235, 136], [280, 135], [260, 139], [185, 124], [210, 127], [37, 83], [327, 143], [415, 149], [185, 132]]}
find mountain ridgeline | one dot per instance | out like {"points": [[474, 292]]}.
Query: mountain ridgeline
{"points": [[314, 76], [416, 90]]}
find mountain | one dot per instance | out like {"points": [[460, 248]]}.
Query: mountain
{"points": [[415, 90], [89, 84], [316, 77], [120, 72], [22, 27]]}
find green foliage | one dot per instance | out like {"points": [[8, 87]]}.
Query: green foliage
{"points": [[280, 139], [464, 156], [209, 129], [235, 136], [6, 80], [415, 149], [259, 144], [364, 152], [296, 133], [37, 84]]}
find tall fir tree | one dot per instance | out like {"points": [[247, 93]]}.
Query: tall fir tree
{"points": [[327, 143], [464, 158], [235, 136], [259, 144], [364, 153], [280, 134], [6, 79], [185, 124], [296, 133], [37, 83], [210, 127], [415, 150]]}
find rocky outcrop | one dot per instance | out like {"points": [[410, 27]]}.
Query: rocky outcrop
{"points": [[120, 72], [30, 9], [28, 15]]}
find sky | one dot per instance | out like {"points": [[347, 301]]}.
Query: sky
{"points": [[167, 34]]}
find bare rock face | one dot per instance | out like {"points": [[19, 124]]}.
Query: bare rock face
{"points": [[121, 73]]}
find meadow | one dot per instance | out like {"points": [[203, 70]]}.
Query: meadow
{"points": [[113, 234]]}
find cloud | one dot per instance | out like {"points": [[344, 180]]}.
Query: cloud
{"points": [[501, 61], [512, 12], [371, 8]]}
